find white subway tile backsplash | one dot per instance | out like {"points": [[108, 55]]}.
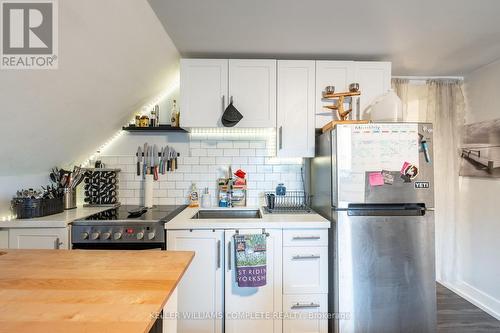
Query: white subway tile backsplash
{"points": [[207, 160], [241, 144], [199, 152], [223, 161], [190, 160], [202, 161], [247, 152], [225, 144], [231, 152]]}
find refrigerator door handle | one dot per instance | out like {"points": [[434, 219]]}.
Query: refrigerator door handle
{"points": [[386, 210]]}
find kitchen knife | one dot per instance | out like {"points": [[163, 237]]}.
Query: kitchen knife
{"points": [[169, 161], [160, 166], [155, 162], [152, 159], [144, 161], [139, 160], [175, 160]]}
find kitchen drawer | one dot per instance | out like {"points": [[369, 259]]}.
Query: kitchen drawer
{"points": [[305, 237], [305, 313], [305, 270]]}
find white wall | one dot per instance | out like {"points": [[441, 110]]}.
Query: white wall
{"points": [[479, 224], [114, 56]]}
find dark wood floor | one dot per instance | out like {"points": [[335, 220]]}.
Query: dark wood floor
{"points": [[456, 315]]}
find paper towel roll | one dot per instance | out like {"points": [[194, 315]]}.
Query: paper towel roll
{"points": [[148, 191]]}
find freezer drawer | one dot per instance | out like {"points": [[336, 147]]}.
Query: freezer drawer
{"points": [[385, 273]]}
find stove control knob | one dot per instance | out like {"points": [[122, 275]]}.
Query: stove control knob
{"points": [[140, 235], [94, 236], [85, 235], [151, 235], [117, 235], [106, 235]]}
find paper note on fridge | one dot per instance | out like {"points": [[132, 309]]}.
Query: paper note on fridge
{"points": [[376, 179]]}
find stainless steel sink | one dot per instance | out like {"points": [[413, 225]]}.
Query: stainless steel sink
{"points": [[228, 214]]}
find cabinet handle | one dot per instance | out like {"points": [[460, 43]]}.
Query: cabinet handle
{"points": [[229, 255], [218, 254], [231, 100], [223, 103], [312, 256], [280, 135], [305, 305], [306, 237]]}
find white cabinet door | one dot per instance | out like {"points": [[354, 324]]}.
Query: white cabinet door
{"points": [[331, 73], [201, 288], [374, 79], [305, 313], [295, 115], [305, 270], [252, 88], [254, 302], [37, 238], [203, 90], [4, 239]]}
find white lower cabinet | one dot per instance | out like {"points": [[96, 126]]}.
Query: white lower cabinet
{"points": [[305, 280], [38, 238], [250, 310], [4, 239], [200, 292], [306, 269], [294, 298], [305, 313]]}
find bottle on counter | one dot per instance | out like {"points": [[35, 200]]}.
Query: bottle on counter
{"points": [[206, 200], [193, 196]]}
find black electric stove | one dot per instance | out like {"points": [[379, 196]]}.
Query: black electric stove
{"points": [[124, 227]]}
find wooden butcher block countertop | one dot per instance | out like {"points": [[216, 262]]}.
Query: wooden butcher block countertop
{"points": [[61, 291]]}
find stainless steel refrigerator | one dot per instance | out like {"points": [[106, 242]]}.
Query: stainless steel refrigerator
{"points": [[375, 183]]}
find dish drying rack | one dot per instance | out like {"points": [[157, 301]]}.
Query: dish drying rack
{"points": [[291, 202]]}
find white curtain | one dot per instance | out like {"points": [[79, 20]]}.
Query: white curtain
{"points": [[445, 109], [400, 87], [442, 103]]}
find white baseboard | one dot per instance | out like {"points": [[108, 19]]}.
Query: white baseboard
{"points": [[483, 301]]}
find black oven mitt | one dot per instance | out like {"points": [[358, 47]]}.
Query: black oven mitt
{"points": [[231, 116]]}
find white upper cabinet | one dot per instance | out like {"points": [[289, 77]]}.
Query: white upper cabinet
{"points": [[331, 73], [252, 89], [204, 92], [296, 102], [208, 85], [374, 79]]}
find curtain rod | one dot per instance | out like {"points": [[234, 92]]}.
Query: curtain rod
{"points": [[423, 78]]}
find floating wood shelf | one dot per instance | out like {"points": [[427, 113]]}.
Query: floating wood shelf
{"points": [[341, 94], [161, 128], [333, 123]]}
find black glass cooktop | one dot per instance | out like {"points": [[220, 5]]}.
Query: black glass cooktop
{"points": [[161, 213]]}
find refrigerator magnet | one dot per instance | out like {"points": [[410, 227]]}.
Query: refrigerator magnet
{"points": [[388, 177]]}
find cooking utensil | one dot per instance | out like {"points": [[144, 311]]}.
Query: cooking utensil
{"points": [[354, 87], [139, 160], [329, 90]]}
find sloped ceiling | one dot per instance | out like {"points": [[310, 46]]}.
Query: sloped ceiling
{"points": [[425, 37], [114, 56]]}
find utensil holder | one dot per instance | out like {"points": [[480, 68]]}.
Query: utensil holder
{"points": [[69, 198]]}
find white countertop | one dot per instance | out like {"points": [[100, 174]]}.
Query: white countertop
{"points": [[183, 221], [60, 220]]}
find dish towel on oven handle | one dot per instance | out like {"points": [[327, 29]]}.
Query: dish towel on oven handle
{"points": [[250, 260]]}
